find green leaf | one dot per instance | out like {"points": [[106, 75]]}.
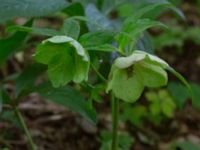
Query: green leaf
{"points": [[29, 8], [196, 95], [155, 108], [145, 43], [132, 30], [179, 93], [173, 37], [134, 114], [71, 28], [146, 9], [74, 9], [69, 98], [168, 107], [94, 15], [96, 39], [164, 4], [4, 97], [11, 44], [93, 23], [5, 148], [151, 96], [161, 104], [10, 116], [66, 59], [125, 141], [185, 145], [181, 78], [103, 48], [124, 87], [26, 80], [34, 30]]}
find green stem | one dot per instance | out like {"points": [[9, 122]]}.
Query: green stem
{"points": [[98, 73], [21, 119], [115, 113]]}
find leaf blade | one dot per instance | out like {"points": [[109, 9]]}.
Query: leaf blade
{"points": [[69, 98]]}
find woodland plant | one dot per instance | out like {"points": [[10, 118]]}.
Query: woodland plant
{"points": [[86, 41]]}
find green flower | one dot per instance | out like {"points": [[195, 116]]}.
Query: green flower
{"points": [[130, 75], [67, 60]]}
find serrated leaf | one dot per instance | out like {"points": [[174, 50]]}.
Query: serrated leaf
{"points": [[67, 60], [10, 9], [132, 30], [71, 28], [69, 98]]}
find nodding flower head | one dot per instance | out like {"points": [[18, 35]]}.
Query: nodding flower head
{"points": [[66, 59], [130, 75]]}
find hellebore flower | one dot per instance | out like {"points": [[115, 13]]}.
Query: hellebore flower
{"points": [[67, 60], [130, 75]]}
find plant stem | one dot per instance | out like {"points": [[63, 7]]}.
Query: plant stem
{"points": [[98, 73], [115, 113], [28, 135]]}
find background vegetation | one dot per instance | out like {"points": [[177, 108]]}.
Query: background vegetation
{"points": [[78, 116]]}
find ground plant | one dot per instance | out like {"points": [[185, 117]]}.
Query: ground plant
{"points": [[98, 47]]}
